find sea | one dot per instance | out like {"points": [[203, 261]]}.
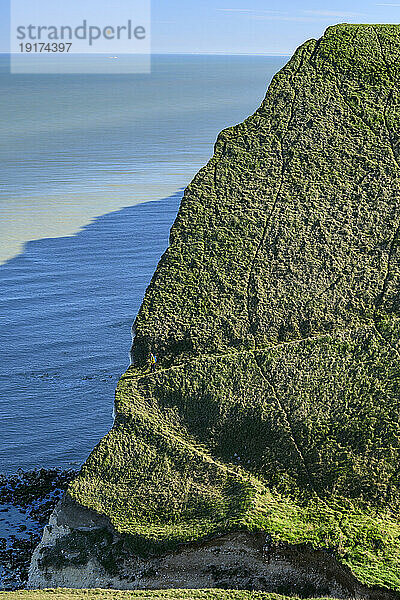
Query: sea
{"points": [[92, 170]]}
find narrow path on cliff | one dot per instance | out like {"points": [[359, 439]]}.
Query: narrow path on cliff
{"points": [[138, 372]]}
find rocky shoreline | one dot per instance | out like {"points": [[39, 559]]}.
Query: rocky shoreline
{"points": [[27, 498]]}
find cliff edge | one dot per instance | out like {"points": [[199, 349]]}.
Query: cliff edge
{"points": [[263, 452]]}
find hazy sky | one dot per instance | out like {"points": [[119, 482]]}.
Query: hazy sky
{"points": [[236, 26]]}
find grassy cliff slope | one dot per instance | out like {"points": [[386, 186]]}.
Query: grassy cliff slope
{"points": [[64, 594], [274, 315]]}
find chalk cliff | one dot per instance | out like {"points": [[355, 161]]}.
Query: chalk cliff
{"points": [[263, 452]]}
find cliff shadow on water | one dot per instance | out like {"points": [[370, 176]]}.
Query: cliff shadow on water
{"points": [[70, 303]]}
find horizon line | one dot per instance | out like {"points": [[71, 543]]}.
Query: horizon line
{"points": [[214, 53]]}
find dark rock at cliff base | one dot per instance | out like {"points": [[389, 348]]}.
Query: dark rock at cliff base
{"points": [[27, 499], [274, 316]]}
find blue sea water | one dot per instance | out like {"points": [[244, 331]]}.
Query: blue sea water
{"points": [[70, 303], [72, 148]]}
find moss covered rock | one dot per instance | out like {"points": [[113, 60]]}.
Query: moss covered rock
{"points": [[274, 315]]}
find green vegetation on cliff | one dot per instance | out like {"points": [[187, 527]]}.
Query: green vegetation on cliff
{"points": [[64, 594], [274, 315]]}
